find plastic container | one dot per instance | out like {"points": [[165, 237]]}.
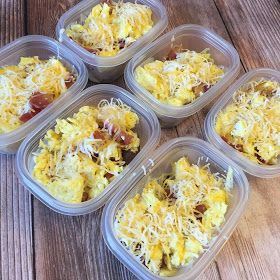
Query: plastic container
{"points": [[44, 47], [168, 153], [148, 131], [108, 69], [263, 171], [192, 37]]}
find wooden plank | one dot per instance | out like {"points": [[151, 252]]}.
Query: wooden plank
{"points": [[254, 28], [16, 252], [254, 248], [12, 22]]}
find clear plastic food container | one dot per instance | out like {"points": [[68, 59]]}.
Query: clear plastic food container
{"points": [[263, 171], [160, 161], [192, 37], [44, 47], [148, 131], [108, 69]]}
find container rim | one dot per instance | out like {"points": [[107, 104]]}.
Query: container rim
{"points": [[89, 206], [82, 77], [109, 211], [191, 108], [125, 54], [215, 139]]}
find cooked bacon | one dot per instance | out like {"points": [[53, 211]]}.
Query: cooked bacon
{"points": [[200, 88], [119, 135], [123, 138], [93, 51], [109, 175], [109, 2], [238, 147], [171, 55], [98, 135], [70, 81], [201, 208], [121, 44], [40, 100], [27, 116], [85, 197]]}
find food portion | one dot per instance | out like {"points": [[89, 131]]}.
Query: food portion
{"points": [[28, 88], [78, 159], [111, 27], [172, 222], [251, 123], [182, 77]]}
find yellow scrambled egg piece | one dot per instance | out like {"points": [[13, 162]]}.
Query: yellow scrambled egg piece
{"points": [[174, 219], [250, 123], [181, 80], [18, 82], [109, 28], [79, 157]]}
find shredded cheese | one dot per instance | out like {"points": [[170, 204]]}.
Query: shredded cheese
{"points": [[181, 80], [19, 82], [251, 123], [174, 219], [109, 28], [78, 159]]}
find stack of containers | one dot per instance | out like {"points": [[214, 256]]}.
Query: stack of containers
{"points": [[146, 163]]}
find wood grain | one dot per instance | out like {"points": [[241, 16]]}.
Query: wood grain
{"points": [[16, 252], [254, 29], [12, 24], [72, 247]]}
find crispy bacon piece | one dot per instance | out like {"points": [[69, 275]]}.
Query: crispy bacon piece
{"points": [[121, 44], [171, 55], [109, 2], [238, 147], [201, 208], [119, 135], [123, 138], [109, 176], [169, 194], [70, 81], [27, 116], [200, 88], [93, 51], [98, 135], [40, 100], [173, 52], [85, 197]]}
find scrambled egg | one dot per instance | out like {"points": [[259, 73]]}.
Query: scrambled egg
{"points": [[174, 219], [19, 82], [251, 123], [81, 155], [111, 27], [180, 79]]}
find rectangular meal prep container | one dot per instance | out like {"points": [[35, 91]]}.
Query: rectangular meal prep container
{"points": [[263, 171], [160, 161], [192, 37], [148, 131], [44, 47], [107, 69]]}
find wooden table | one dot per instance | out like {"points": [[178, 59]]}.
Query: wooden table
{"points": [[38, 243]]}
